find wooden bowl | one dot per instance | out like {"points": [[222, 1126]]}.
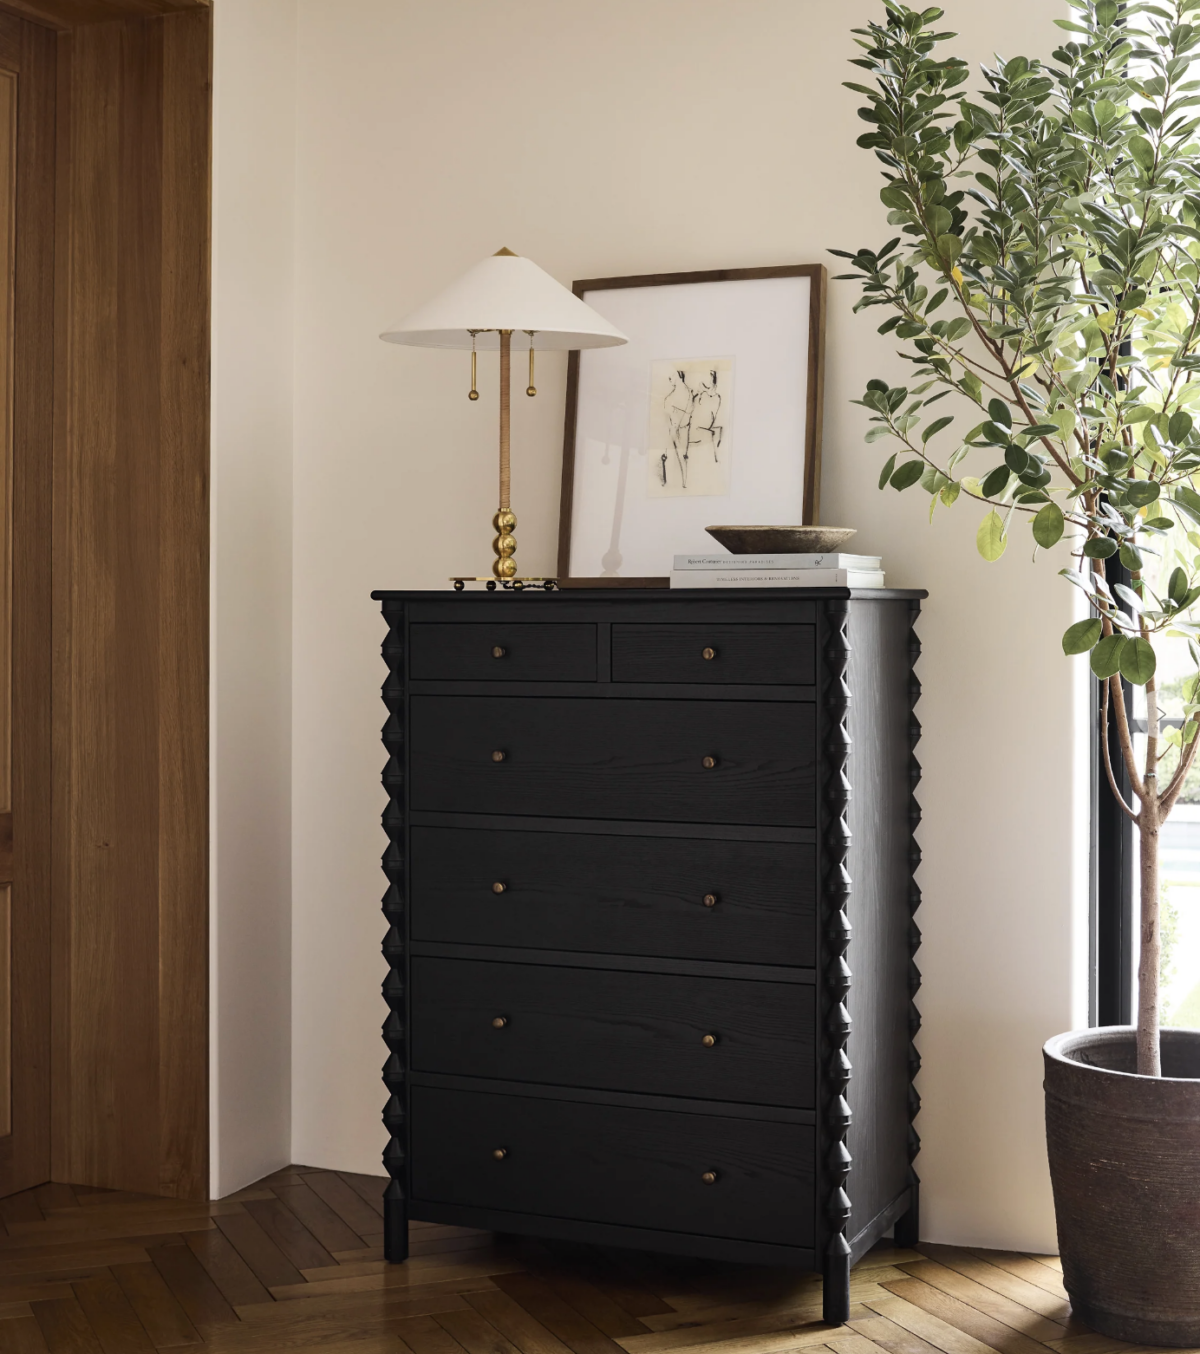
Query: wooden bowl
{"points": [[781, 540]]}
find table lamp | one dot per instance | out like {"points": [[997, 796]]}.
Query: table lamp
{"points": [[500, 296]]}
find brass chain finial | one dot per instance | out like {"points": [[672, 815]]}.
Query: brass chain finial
{"points": [[532, 389], [474, 395]]}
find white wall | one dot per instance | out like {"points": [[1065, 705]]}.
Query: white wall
{"points": [[254, 157], [428, 136]]}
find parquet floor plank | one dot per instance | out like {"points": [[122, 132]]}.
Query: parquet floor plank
{"points": [[109, 1313], [165, 1320], [65, 1328], [318, 1217], [24, 1336], [231, 1275], [347, 1203], [192, 1287], [293, 1264]]}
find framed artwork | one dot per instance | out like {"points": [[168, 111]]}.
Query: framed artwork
{"points": [[711, 413]]}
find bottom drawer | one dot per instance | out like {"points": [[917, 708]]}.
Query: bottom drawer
{"points": [[606, 1163]]}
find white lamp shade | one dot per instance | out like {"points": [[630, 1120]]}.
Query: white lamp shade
{"points": [[505, 292]]}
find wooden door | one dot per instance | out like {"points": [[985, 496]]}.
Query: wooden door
{"points": [[27, 169]]}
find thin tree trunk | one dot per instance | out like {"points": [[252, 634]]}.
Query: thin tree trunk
{"points": [[1149, 1062]]}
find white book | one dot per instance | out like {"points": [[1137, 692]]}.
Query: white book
{"points": [[775, 578], [728, 562]]}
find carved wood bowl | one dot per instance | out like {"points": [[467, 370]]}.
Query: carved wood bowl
{"points": [[781, 540]]}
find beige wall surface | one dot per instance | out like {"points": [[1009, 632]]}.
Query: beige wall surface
{"points": [[253, 181], [428, 136]]}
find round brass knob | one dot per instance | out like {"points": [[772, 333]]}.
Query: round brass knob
{"points": [[710, 900], [708, 763], [709, 1177], [499, 887], [499, 756], [500, 1153], [708, 654], [499, 651], [709, 1041], [499, 1022]]}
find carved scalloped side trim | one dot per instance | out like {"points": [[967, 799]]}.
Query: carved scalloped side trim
{"points": [[835, 930], [914, 892], [395, 1034]]}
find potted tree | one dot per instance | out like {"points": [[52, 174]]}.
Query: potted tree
{"points": [[1045, 277]]}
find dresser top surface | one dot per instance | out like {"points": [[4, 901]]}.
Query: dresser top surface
{"points": [[536, 596]]}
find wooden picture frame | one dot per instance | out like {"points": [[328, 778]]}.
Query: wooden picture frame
{"points": [[813, 376]]}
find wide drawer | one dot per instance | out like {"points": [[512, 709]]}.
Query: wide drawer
{"points": [[604, 1163], [616, 1031], [749, 654], [502, 652], [686, 897], [675, 761]]}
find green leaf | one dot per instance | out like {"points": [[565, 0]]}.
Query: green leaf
{"points": [[949, 247], [887, 470], [1142, 151], [1048, 527], [1178, 586], [950, 492], [878, 431], [895, 197], [1016, 458], [995, 481], [1107, 12], [957, 328], [1131, 558], [991, 538], [1179, 426], [1137, 661], [999, 412], [936, 427], [1188, 500], [971, 385], [1100, 547], [1142, 492], [1106, 656], [907, 474], [1082, 636]]}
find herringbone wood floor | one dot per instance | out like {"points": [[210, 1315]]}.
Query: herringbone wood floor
{"points": [[295, 1263]]}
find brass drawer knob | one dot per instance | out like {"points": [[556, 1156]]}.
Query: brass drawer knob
{"points": [[499, 651], [708, 763], [710, 900], [708, 654], [499, 887], [709, 1177], [500, 1153], [499, 1022], [499, 756], [709, 1041]]}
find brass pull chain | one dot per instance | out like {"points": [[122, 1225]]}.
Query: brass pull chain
{"points": [[532, 389], [474, 393]]}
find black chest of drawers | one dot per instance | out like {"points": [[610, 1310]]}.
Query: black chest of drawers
{"points": [[650, 893]]}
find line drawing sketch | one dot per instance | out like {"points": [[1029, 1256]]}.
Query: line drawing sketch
{"points": [[689, 439]]}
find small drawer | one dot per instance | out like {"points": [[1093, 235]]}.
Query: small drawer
{"points": [[502, 652], [689, 761], [665, 1034], [781, 655], [606, 1163], [686, 897]]}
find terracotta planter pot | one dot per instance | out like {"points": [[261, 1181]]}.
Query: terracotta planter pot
{"points": [[1125, 1164]]}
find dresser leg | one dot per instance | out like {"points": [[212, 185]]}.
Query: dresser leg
{"points": [[836, 1298], [395, 1225], [908, 1225]]}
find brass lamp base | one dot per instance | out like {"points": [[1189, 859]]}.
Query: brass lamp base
{"points": [[505, 544]]}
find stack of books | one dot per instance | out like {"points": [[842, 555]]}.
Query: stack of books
{"points": [[777, 571]]}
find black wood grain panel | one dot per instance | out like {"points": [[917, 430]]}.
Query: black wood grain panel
{"points": [[614, 759], [754, 654], [879, 916], [612, 1165], [616, 895], [615, 1030], [541, 653]]}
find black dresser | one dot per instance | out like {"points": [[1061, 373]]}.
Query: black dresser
{"points": [[650, 893]]}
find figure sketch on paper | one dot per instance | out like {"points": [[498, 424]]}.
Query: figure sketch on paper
{"points": [[690, 419]]}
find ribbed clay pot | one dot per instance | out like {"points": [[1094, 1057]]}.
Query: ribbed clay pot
{"points": [[1125, 1164]]}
